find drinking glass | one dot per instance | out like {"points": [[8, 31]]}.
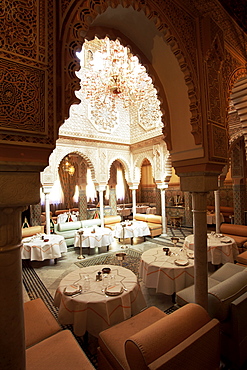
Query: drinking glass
{"points": [[105, 282], [86, 283]]}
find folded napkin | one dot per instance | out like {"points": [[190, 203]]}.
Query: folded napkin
{"points": [[114, 289], [225, 240], [72, 289]]}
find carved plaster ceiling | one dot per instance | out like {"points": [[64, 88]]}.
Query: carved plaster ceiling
{"points": [[118, 104]]}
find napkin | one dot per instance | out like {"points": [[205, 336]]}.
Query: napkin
{"points": [[114, 289], [225, 240], [72, 289]]}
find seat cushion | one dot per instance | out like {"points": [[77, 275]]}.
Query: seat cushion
{"points": [[112, 340], [226, 271], [39, 322], [242, 258], [187, 295], [58, 352]]}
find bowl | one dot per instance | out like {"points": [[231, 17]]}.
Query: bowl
{"points": [[106, 270]]}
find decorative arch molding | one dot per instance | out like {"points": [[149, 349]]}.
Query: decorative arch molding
{"points": [[236, 75], [50, 173], [75, 29], [125, 164], [138, 163]]}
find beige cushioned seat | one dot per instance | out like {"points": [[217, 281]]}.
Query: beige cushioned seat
{"points": [[154, 340], [39, 322], [114, 349], [58, 352]]}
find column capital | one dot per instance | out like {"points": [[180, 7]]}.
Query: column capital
{"points": [[162, 185], [101, 187], [133, 187], [201, 182], [46, 189]]}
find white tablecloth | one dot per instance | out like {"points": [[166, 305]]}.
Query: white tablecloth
{"points": [[35, 249], [211, 218], [133, 229], [159, 271], [102, 237], [218, 251], [93, 311]]}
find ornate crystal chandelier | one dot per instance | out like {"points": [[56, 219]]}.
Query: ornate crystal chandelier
{"points": [[110, 74]]}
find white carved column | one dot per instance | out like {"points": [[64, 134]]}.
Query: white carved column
{"points": [[217, 209], [46, 191], [199, 202], [199, 185], [101, 189], [134, 188], [18, 190], [162, 188]]}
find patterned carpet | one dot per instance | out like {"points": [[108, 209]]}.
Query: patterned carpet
{"points": [[131, 260]]}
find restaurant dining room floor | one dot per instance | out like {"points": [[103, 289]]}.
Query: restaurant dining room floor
{"points": [[51, 274]]}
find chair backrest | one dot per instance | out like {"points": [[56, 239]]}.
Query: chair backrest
{"points": [[232, 229], [223, 294], [32, 230], [112, 219], [157, 340]]}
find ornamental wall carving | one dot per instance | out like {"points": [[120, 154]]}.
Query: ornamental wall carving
{"points": [[27, 61], [100, 159]]}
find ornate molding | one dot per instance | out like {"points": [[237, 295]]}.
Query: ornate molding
{"points": [[74, 37]]}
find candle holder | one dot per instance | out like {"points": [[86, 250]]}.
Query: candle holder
{"points": [[124, 245], [120, 257], [174, 240], [80, 257]]}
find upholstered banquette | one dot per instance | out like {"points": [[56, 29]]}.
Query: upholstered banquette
{"points": [[111, 221], [48, 347], [237, 232], [68, 229], [186, 339], [32, 230], [227, 302], [154, 222]]}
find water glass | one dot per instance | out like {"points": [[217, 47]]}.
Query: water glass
{"points": [[112, 281], [105, 281], [86, 283]]}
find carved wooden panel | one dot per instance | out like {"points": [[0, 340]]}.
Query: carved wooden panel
{"points": [[218, 148], [22, 91]]}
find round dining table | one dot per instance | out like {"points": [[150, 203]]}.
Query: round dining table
{"points": [[43, 247], [131, 229], [92, 237], [221, 249], [166, 273], [94, 310]]}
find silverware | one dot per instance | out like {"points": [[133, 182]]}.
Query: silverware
{"points": [[76, 294]]}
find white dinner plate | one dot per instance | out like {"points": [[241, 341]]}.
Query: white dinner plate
{"points": [[181, 262]]}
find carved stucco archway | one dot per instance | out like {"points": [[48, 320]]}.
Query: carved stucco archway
{"points": [[50, 173], [125, 164], [75, 29], [138, 164]]}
